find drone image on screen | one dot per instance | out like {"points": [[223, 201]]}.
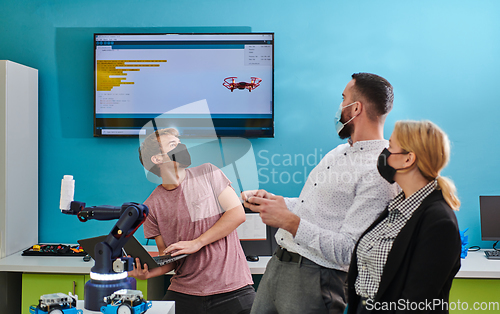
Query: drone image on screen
{"points": [[230, 83]]}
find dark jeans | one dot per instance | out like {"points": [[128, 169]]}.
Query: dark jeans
{"points": [[293, 288], [234, 302]]}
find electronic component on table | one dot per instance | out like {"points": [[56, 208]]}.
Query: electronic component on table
{"points": [[56, 303], [54, 250], [125, 301], [490, 254]]}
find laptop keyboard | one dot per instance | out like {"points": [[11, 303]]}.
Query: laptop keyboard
{"points": [[167, 259]]}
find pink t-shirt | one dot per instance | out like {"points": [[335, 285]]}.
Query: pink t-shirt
{"points": [[184, 214]]}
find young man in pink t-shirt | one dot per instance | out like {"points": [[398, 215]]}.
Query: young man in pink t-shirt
{"points": [[195, 211]]}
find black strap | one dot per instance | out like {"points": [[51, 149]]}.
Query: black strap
{"points": [[285, 256]]}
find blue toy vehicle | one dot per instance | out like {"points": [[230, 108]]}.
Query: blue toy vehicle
{"points": [[56, 303], [125, 301]]}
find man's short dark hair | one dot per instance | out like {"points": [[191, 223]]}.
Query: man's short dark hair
{"points": [[377, 91]]}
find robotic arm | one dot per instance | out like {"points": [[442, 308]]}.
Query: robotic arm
{"points": [[131, 216], [109, 272]]}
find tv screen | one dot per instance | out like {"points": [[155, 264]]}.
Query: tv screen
{"points": [[489, 212], [139, 77]]}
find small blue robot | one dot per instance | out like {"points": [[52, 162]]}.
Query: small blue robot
{"points": [[125, 301], [56, 303]]}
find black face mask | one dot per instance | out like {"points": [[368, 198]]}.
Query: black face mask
{"points": [[181, 155], [387, 172]]}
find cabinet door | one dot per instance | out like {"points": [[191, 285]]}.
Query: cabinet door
{"points": [[36, 285], [474, 295], [143, 286]]}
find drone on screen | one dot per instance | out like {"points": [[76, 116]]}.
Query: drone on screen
{"points": [[231, 84]]}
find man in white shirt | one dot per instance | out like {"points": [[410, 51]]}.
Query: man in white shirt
{"points": [[341, 197]]}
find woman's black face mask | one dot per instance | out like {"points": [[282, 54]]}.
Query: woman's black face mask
{"points": [[387, 172]]}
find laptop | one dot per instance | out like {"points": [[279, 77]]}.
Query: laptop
{"points": [[134, 249]]}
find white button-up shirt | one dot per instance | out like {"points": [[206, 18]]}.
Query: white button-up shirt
{"points": [[341, 198]]}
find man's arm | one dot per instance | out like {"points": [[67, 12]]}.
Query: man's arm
{"points": [[233, 216], [334, 246], [160, 244], [371, 196], [143, 272]]}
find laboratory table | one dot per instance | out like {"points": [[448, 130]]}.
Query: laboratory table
{"points": [[477, 280], [22, 278]]}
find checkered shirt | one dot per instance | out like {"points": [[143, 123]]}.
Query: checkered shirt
{"points": [[374, 246]]}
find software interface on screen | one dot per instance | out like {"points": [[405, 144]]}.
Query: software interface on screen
{"points": [[141, 76]]}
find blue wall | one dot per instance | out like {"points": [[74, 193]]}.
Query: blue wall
{"points": [[441, 57]]}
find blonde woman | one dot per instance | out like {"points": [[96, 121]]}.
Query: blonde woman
{"points": [[406, 260]]}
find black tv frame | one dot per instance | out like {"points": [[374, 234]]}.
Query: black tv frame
{"points": [[219, 124]]}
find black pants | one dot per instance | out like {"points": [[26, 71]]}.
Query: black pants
{"points": [[234, 302]]}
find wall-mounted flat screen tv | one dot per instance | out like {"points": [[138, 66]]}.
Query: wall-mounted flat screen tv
{"points": [[140, 77]]}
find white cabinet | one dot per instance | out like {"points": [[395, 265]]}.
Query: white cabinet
{"points": [[18, 157]]}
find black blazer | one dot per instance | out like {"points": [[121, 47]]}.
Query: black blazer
{"points": [[421, 265]]}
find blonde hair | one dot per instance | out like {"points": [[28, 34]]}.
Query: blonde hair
{"points": [[432, 149], [151, 147]]}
